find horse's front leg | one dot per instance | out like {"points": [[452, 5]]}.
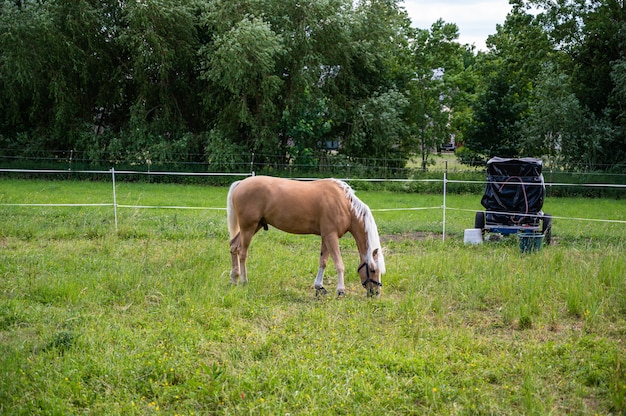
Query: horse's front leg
{"points": [[319, 279], [332, 244]]}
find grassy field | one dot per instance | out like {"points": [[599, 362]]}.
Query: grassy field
{"points": [[144, 321]]}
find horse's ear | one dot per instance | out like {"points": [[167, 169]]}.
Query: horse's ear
{"points": [[375, 254]]}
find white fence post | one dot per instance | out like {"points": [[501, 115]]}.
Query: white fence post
{"points": [[114, 198], [445, 186]]}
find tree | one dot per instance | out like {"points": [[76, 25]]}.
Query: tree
{"points": [[306, 126], [45, 63], [589, 38], [166, 80], [436, 86], [517, 52], [160, 43], [75, 74], [597, 73], [379, 122], [241, 68], [555, 120], [366, 85], [316, 35]]}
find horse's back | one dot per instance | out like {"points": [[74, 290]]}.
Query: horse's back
{"points": [[292, 206]]}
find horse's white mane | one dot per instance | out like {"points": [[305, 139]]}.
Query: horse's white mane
{"points": [[363, 212]]}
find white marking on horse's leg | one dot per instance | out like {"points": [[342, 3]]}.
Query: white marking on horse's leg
{"points": [[243, 256], [341, 288], [319, 279]]}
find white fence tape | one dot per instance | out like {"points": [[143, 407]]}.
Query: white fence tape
{"points": [[442, 207]]}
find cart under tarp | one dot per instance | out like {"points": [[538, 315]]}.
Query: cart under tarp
{"points": [[513, 198], [515, 191]]}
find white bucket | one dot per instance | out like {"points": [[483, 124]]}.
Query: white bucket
{"points": [[473, 236]]}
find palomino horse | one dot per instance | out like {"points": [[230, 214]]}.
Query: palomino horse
{"points": [[328, 208]]}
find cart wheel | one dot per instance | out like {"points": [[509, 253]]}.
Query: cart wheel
{"points": [[479, 221], [546, 228]]}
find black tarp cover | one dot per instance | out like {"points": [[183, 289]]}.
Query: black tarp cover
{"points": [[513, 186]]}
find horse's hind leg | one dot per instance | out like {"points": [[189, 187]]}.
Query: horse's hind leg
{"points": [[246, 238], [319, 279], [235, 248], [239, 254]]}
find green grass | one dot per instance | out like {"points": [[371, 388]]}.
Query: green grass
{"points": [[144, 321]]}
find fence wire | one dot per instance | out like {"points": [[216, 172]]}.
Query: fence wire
{"points": [[442, 207]]}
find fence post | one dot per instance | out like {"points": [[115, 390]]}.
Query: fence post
{"points": [[114, 198], [445, 188]]}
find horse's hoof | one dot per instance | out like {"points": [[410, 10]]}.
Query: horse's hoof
{"points": [[341, 294], [320, 291]]}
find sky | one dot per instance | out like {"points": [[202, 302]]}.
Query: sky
{"points": [[476, 19]]}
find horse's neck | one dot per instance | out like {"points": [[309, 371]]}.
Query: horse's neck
{"points": [[360, 237]]}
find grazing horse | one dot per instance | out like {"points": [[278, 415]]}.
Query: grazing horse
{"points": [[328, 208]]}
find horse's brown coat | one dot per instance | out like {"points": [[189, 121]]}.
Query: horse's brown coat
{"points": [[323, 207], [288, 206]]}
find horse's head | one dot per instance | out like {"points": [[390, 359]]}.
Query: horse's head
{"points": [[370, 275]]}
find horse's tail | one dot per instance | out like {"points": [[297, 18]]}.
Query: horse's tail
{"points": [[233, 223]]}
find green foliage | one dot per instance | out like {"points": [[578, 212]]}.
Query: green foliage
{"points": [[224, 155], [555, 118], [592, 36], [242, 62], [44, 71], [518, 50], [378, 124], [551, 83], [308, 127], [161, 43], [146, 76], [147, 82], [470, 157], [438, 87]]}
